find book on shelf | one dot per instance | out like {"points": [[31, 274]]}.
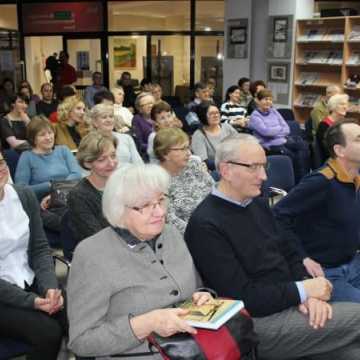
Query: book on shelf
{"points": [[335, 35], [307, 99], [355, 33], [211, 315], [312, 35], [323, 57], [308, 78], [354, 58]]}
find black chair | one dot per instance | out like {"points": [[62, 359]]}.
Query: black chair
{"points": [[287, 114], [10, 348], [66, 238], [295, 129], [280, 173], [12, 157]]}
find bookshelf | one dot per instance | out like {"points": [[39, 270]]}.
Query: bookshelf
{"points": [[327, 52]]}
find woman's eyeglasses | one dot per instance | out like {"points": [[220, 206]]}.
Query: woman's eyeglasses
{"points": [[149, 208]]}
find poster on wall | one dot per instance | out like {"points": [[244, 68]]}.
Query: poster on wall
{"points": [[45, 17], [278, 81], [124, 54], [280, 37], [237, 38], [82, 60]]}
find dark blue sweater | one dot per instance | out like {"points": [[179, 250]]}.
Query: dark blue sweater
{"points": [[321, 215]]}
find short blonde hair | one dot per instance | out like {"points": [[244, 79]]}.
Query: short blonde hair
{"points": [[116, 89], [132, 185], [92, 146], [98, 110], [165, 139], [335, 100], [140, 97], [66, 107]]}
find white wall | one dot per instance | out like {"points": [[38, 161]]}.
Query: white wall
{"points": [[235, 68]]}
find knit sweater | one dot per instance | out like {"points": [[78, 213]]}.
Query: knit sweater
{"points": [[269, 127], [320, 215], [239, 252], [36, 170]]}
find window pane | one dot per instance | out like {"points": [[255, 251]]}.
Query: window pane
{"points": [[209, 61], [8, 17], [127, 53], [210, 15], [171, 63], [149, 15]]}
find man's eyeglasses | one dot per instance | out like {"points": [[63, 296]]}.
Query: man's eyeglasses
{"points": [[148, 209], [252, 167], [3, 164]]}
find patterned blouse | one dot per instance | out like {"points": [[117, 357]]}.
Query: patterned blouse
{"points": [[186, 191]]}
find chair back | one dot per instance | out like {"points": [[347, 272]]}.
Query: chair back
{"points": [[11, 348], [12, 157], [66, 237], [295, 129], [287, 114], [280, 173]]}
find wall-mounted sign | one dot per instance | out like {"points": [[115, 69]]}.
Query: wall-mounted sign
{"points": [[62, 17]]}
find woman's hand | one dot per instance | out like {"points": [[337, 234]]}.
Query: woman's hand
{"points": [[201, 297], [56, 300], [45, 202]]}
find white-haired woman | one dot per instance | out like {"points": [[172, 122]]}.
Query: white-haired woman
{"points": [[97, 154], [102, 119], [123, 116], [338, 106], [125, 279]]}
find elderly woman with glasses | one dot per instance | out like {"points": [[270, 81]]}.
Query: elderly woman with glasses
{"points": [[97, 154], [190, 182], [30, 300], [125, 279]]}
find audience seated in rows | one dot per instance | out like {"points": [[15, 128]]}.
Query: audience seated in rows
{"points": [[47, 105], [272, 131], [337, 107], [123, 116], [111, 276], [245, 94], [31, 303], [102, 120], [13, 124], [44, 163], [318, 215], [142, 123], [255, 87], [190, 181], [71, 126], [320, 110], [208, 136], [239, 252], [91, 90], [163, 117], [97, 154]]}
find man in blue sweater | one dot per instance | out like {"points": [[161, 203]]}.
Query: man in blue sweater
{"points": [[320, 214], [239, 252]]}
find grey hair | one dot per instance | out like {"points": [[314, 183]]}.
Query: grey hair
{"points": [[335, 100], [132, 185], [98, 110], [140, 97], [229, 147]]}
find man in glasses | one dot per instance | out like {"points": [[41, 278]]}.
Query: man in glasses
{"points": [[240, 253]]}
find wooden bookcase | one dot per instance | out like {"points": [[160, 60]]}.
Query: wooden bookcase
{"points": [[324, 48]]}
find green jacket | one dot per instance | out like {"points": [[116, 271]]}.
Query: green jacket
{"points": [[319, 112]]}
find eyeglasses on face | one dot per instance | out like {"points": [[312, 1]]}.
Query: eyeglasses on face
{"points": [[183, 148], [254, 167], [149, 208]]}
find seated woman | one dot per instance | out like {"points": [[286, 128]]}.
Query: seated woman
{"points": [[123, 116], [231, 110], [272, 131], [97, 154], [338, 106], [26, 92], [102, 120], [47, 105], [70, 126], [115, 296], [13, 124], [163, 118], [30, 301], [190, 182], [143, 125], [245, 94], [255, 87], [206, 139]]}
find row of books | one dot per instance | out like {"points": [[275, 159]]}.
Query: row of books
{"points": [[322, 34], [354, 58], [307, 99], [323, 57], [308, 78], [355, 34]]}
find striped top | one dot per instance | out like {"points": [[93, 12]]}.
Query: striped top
{"points": [[230, 111]]}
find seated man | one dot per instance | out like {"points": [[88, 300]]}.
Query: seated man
{"points": [[91, 90], [201, 94], [240, 253], [320, 214]]}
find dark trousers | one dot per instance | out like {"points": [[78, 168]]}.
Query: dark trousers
{"points": [[42, 332]]}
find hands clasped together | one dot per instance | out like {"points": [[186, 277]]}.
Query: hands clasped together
{"points": [[52, 303]]}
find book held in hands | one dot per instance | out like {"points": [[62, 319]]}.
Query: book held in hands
{"points": [[211, 315]]}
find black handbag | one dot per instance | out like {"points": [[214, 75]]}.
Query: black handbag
{"points": [[59, 192]]}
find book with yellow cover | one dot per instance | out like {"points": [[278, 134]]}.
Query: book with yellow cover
{"points": [[213, 314]]}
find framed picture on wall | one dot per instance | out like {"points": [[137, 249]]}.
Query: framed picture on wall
{"points": [[278, 72], [238, 35], [280, 29], [124, 53], [237, 38]]}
